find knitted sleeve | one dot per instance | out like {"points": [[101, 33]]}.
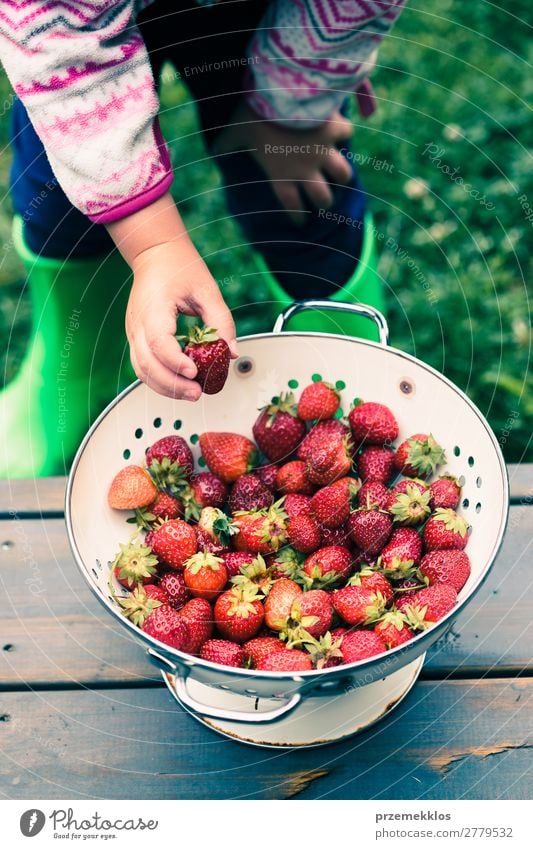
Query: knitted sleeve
{"points": [[308, 55], [83, 73]]}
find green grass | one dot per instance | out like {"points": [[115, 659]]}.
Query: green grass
{"points": [[457, 266]]}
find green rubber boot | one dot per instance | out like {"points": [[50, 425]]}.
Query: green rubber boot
{"points": [[365, 287], [76, 362]]}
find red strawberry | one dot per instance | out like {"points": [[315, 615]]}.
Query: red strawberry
{"points": [[373, 494], [410, 507], [239, 613], [319, 400], [235, 560], [320, 436], [428, 605], [407, 484], [257, 649], [205, 490], [330, 461], [419, 456], [304, 534], [198, 617], [329, 565], [374, 581], [370, 529], [249, 493], [173, 583], [286, 660], [296, 504], [311, 611], [205, 575], [334, 536], [261, 531], [401, 555], [166, 506], [446, 567], [292, 478], [330, 506], [267, 474], [445, 529], [279, 602], [361, 644], [131, 488], [224, 652], [156, 592], [372, 424], [278, 431], [393, 629], [141, 603], [286, 563], [172, 455], [165, 625], [445, 492], [211, 357], [376, 463], [173, 543], [228, 455], [358, 605], [134, 564]]}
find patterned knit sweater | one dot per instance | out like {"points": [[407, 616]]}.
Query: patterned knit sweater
{"points": [[82, 70]]}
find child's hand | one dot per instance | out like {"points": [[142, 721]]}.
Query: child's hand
{"points": [[294, 160], [169, 277]]}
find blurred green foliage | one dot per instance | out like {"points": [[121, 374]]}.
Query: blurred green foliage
{"points": [[453, 85]]}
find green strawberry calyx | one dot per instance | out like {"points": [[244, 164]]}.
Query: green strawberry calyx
{"points": [[243, 601], [323, 649], [425, 455], [135, 561], [198, 335], [376, 609], [411, 507], [256, 573], [137, 606], [395, 618], [168, 476], [283, 403], [415, 617], [203, 560], [397, 568], [452, 521]]}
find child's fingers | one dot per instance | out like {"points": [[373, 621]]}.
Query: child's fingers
{"points": [[214, 313], [158, 377], [289, 197], [336, 167], [166, 348], [341, 128], [318, 191]]}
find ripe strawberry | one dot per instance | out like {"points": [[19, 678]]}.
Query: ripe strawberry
{"points": [[171, 458], [261, 531], [410, 507], [156, 592], [205, 575], [224, 652], [286, 660], [292, 478], [198, 617], [211, 356], [325, 651], [166, 506], [311, 611], [401, 555], [330, 462], [134, 564], [419, 456], [329, 565], [255, 574], [361, 644], [235, 560], [173, 543], [267, 474], [372, 424], [257, 649], [407, 484], [330, 506], [173, 583], [358, 605], [249, 493], [393, 629], [296, 504], [166, 625], [321, 435], [373, 494], [376, 463], [304, 534], [205, 490], [445, 529], [319, 400], [370, 529], [214, 531], [141, 603], [131, 488], [427, 606], [446, 567], [445, 492], [228, 455], [286, 563], [374, 581], [239, 613], [279, 602], [278, 431]]}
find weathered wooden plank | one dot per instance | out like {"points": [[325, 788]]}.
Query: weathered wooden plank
{"points": [[521, 482], [56, 631], [32, 495], [447, 740]]}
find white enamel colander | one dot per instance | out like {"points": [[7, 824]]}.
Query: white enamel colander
{"points": [[422, 400]]}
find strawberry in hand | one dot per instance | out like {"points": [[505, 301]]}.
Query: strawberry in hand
{"points": [[211, 355]]}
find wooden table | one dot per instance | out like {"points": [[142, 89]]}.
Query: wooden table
{"points": [[83, 714]]}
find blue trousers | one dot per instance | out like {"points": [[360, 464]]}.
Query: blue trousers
{"points": [[311, 261]]}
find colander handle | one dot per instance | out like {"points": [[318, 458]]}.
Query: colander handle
{"points": [[180, 691], [339, 306]]}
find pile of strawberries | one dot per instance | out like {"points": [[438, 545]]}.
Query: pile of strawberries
{"points": [[318, 544]]}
